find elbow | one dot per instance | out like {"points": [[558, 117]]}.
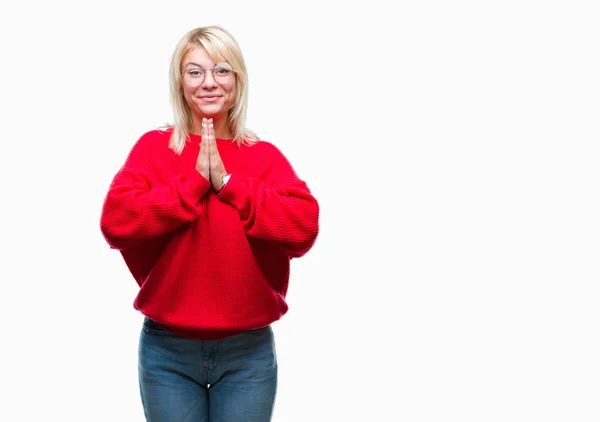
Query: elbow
{"points": [[111, 235], [310, 232], [302, 249]]}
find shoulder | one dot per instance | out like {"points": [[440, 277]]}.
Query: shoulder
{"points": [[147, 145], [155, 137], [269, 158], [152, 140], [266, 149]]}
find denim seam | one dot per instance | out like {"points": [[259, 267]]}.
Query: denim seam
{"points": [[157, 332]]}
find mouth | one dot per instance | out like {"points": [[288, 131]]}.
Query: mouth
{"points": [[210, 98]]}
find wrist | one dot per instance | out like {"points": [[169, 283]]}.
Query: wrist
{"points": [[224, 181]]}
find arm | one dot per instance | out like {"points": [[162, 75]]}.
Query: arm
{"points": [[279, 208], [134, 210]]}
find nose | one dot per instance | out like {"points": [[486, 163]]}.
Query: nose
{"points": [[209, 80]]}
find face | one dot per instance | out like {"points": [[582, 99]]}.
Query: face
{"points": [[211, 95]]}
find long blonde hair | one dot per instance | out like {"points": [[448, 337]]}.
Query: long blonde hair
{"points": [[220, 46]]}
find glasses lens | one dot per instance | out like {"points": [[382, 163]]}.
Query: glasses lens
{"points": [[195, 75], [222, 70]]}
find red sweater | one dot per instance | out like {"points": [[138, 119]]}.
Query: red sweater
{"points": [[209, 265]]}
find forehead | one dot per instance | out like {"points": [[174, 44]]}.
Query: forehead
{"points": [[199, 56]]}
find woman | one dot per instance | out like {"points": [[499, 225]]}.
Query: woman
{"points": [[207, 218]]}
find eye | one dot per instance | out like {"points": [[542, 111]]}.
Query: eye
{"points": [[194, 73], [222, 72]]}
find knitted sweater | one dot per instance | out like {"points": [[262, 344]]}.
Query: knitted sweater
{"points": [[209, 265]]}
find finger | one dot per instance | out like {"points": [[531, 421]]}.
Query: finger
{"points": [[213, 142], [205, 145], [211, 130]]}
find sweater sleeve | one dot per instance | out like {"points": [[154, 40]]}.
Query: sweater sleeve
{"points": [[134, 210], [278, 208]]}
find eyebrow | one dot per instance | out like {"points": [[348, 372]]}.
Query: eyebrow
{"points": [[194, 64], [197, 65]]}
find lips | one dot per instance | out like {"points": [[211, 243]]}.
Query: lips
{"points": [[210, 97]]}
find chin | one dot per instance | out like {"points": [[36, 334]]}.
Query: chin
{"points": [[211, 113]]}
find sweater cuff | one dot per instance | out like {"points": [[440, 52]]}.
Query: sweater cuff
{"points": [[233, 193], [195, 185]]}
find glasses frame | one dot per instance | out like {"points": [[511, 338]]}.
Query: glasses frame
{"points": [[200, 79]]}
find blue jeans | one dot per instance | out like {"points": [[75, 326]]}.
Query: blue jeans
{"points": [[228, 380]]}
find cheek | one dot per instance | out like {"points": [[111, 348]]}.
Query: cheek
{"points": [[188, 96], [231, 95]]}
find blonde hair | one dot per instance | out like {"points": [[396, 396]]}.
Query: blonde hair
{"points": [[220, 46]]}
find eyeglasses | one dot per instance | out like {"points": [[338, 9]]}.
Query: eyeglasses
{"points": [[194, 75]]}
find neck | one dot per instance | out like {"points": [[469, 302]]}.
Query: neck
{"points": [[220, 126]]}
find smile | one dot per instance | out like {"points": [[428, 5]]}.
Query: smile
{"points": [[210, 98]]}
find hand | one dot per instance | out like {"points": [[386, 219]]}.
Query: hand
{"points": [[217, 168], [203, 160]]}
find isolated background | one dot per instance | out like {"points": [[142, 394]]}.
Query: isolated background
{"points": [[453, 147]]}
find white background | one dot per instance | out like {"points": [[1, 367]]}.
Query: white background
{"points": [[453, 147]]}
